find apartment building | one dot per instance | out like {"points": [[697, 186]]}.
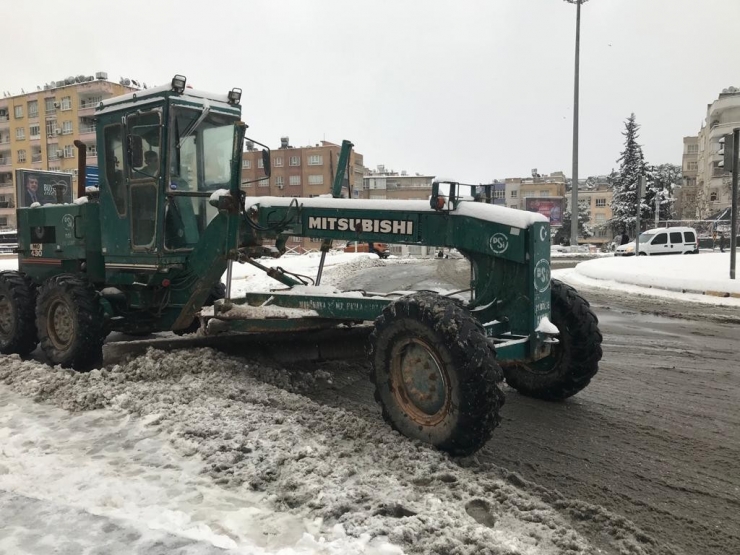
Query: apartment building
{"points": [[599, 201], [713, 182], [518, 189], [384, 184], [306, 171], [686, 205], [37, 130]]}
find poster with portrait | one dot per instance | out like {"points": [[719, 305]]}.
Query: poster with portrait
{"points": [[551, 208], [39, 186]]}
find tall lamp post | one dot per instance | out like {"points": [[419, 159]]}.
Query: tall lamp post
{"points": [[574, 188]]}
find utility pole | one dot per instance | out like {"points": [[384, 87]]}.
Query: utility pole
{"points": [[640, 190], [729, 150], [733, 218], [657, 209], [574, 188]]}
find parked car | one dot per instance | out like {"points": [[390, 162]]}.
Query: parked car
{"points": [[381, 249], [663, 240]]}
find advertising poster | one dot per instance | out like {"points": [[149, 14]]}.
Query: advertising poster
{"points": [[38, 186], [551, 208]]}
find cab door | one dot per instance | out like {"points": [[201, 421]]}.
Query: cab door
{"points": [[144, 137]]}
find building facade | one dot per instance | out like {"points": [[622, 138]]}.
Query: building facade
{"points": [[38, 129], [713, 182], [307, 171]]}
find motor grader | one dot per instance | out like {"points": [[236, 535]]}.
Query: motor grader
{"points": [[146, 252]]}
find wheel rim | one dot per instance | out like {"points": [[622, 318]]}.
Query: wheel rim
{"points": [[6, 315], [420, 386], [60, 324]]}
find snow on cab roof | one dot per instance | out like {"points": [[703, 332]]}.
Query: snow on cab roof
{"points": [[490, 212], [117, 102]]}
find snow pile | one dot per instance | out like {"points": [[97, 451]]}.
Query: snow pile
{"points": [[335, 471]]}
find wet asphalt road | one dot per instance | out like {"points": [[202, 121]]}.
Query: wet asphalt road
{"points": [[655, 437]]}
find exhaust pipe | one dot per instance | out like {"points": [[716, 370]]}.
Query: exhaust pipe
{"points": [[81, 165]]}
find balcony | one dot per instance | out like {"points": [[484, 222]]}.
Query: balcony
{"points": [[36, 157], [4, 161], [86, 130], [4, 120], [7, 204]]}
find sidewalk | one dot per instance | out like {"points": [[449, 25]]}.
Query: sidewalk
{"points": [[704, 277]]}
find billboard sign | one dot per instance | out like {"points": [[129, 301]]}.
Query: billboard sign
{"points": [[92, 176], [39, 186], [550, 207]]}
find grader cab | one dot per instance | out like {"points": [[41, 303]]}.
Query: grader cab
{"points": [[146, 252]]}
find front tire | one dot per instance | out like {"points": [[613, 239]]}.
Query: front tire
{"points": [[17, 314], [70, 320], [435, 373], [573, 362]]}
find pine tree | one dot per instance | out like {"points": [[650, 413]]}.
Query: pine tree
{"points": [[662, 180], [631, 167]]}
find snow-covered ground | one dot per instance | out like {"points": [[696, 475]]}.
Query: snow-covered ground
{"points": [[698, 278], [198, 452]]}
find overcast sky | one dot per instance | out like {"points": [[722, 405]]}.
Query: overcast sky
{"points": [[473, 90]]}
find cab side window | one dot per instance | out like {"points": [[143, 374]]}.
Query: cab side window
{"points": [[114, 166], [146, 129], [676, 237], [660, 239]]}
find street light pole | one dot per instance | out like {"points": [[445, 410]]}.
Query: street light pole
{"points": [[574, 188]]}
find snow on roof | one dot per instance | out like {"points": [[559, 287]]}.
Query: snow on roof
{"points": [[220, 101], [488, 212]]}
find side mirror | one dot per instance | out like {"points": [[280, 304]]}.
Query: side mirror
{"points": [[135, 146], [266, 162]]}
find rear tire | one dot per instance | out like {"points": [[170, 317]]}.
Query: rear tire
{"points": [[573, 362], [17, 314], [70, 320], [435, 373]]}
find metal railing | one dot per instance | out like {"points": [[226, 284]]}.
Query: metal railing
{"points": [[87, 129]]}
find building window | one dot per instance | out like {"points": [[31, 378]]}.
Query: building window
{"points": [[66, 103], [295, 180], [544, 193], [600, 218], [693, 149], [499, 194], [33, 109], [51, 128], [51, 105], [277, 162], [712, 195], [513, 206], [69, 151], [21, 155], [260, 163], [280, 181], [692, 166], [18, 112], [295, 160], [246, 164], [601, 202], [315, 160], [34, 131], [66, 128], [315, 179], [20, 133], [264, 183], [514, 194]]}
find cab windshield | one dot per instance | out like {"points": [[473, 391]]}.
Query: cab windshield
{"points": [[200, 150], [201, 146]]}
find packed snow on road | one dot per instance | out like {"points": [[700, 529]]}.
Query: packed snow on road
{"points": [[197, 452]]}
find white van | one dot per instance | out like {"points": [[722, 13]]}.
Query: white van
{"points": [[663, 240]]}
